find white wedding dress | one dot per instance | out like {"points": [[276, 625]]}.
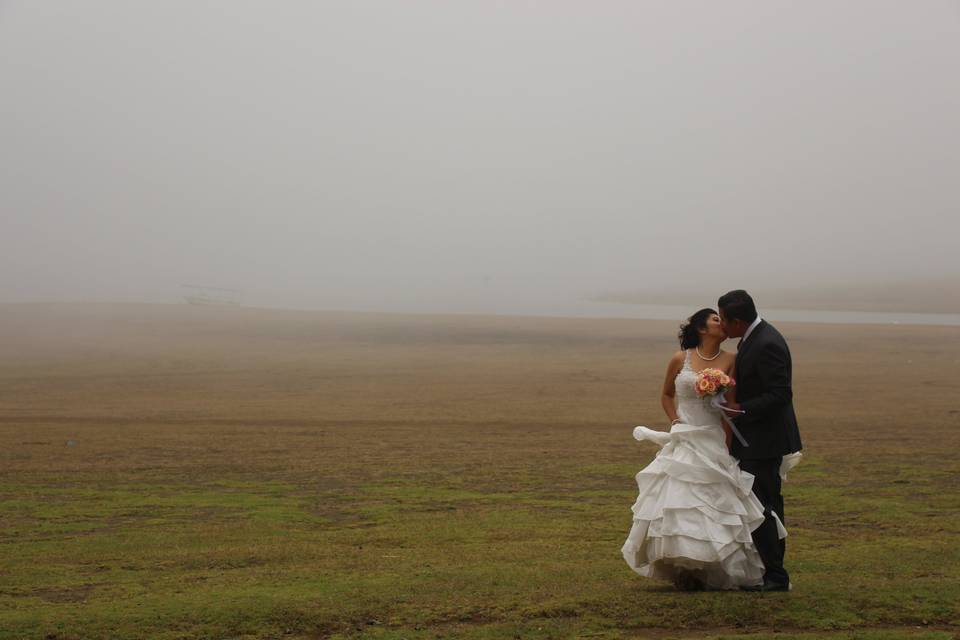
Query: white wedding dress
{"points": [[696, 508]]}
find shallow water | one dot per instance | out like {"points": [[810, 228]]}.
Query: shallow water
{"points": [[673, 312], [592, 309], [549, 306]]}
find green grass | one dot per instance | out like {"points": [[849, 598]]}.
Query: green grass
{"points": [[409, 558], [363, 489]]}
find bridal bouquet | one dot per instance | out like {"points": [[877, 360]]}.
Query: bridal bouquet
{"points": [[711, 382]]}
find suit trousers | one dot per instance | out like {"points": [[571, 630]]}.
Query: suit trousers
{"points": [[767, 486]]}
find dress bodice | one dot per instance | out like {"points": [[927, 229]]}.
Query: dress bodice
{"points": [[691, 408]]}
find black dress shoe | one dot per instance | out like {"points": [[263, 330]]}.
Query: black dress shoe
{"points": [[769, 585], [687, 581]]}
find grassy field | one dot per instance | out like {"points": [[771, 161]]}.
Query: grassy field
{"points": [[183, 472]]}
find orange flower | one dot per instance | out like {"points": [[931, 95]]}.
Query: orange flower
{"points": [[712, 381]]}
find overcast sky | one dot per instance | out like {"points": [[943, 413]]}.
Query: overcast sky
{"points": [[473, 154]]}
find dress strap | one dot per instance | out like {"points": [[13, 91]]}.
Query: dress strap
{"points": [[686, 359]]}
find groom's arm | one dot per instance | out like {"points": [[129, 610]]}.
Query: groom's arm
{"points": [[773, 365]]}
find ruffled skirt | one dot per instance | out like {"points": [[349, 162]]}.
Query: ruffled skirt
{"points": [[695, 512]]}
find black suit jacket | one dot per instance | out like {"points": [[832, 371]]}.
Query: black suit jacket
{"points": [[765, 391]]}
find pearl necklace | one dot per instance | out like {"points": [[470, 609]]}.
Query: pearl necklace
{"points": [[704, 358]]}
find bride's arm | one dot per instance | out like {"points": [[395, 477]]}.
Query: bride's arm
{"points": [[669, 391]]}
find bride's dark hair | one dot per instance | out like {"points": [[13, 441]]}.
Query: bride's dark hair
{"points": [[689, 331]]}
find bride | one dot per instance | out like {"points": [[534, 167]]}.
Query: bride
{"points": [[693, 517]]}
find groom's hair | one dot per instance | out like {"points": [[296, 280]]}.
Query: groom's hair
{"points": [[738, 305]]}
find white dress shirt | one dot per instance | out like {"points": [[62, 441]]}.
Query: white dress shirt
{"points": [[753, 325]]}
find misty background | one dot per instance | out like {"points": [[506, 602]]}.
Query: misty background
{"points": [[477, 156]]}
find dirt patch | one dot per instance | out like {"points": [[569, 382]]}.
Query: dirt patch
{"points": [[78, 593]]}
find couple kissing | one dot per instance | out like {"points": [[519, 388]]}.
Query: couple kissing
{"points": [[709, 514]]}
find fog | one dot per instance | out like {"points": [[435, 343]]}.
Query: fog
{"points": [[480, 156]]}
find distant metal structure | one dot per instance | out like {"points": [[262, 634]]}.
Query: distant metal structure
{"points": [[204, 295]]}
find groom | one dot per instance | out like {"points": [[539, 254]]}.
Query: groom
{"points": [[765, 417]]}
